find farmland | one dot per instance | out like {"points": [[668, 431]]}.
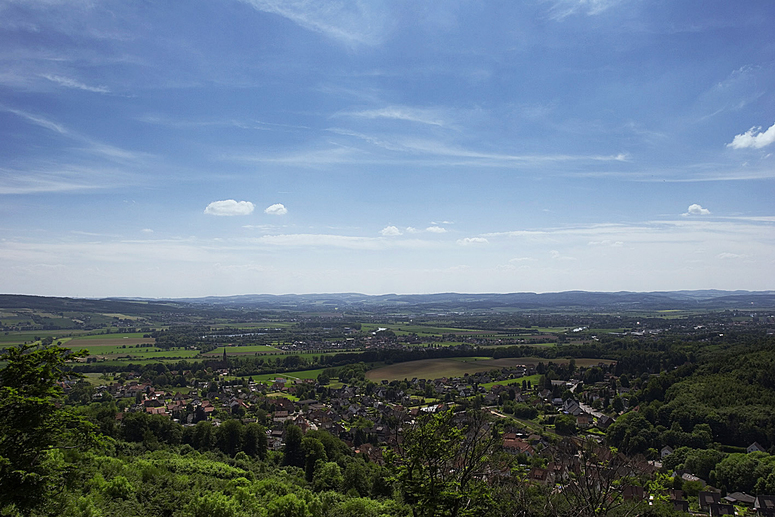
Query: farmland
{"points": [[457, 366]]}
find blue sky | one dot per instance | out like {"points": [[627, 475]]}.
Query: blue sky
{"points": [[170, 149]]}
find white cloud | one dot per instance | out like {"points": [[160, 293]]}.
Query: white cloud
{"points": [[607, 242], [230, 207], [410, 229], [564, 8], [390, 231], [728, 256], [146, 230], [276, 209], [753, 138], [422, 116], [340, 241], [472, 240], [435, 229], [556, 255], [696, 209], [352, 23], [72, 83]]}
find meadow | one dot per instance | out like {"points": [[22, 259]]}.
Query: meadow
{"points": [[457, 367]]}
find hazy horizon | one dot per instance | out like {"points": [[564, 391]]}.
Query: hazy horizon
{"points": [[248, 146]]}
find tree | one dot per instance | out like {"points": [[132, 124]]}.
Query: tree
{"points": [[228, 437], [254, 441], [565, 424], [313, 453], [441, 463], [33, 424], [294, 455], [594, 482]]}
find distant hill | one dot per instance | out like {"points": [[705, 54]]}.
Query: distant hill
{"points": [[592, 301], [439, 302]]}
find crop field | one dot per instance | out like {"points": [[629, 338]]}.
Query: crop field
{"points": [[243, 350], [122, 348], [457, 367], [532, 378], [260, 325], [299, 374], [114, 337], [421, 330]]}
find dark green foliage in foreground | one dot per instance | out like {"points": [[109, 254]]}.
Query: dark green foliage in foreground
{"points": [[33, 427]]}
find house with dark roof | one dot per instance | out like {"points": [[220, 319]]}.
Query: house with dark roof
{"points": [[740, 499], [764, 505], [706, 499]]}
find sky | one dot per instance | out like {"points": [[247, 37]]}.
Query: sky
{"points": [[223, 147]]}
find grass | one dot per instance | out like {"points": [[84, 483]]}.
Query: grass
{"points": [[243, 350], [458, 366], [298, 374], [112, 337], [532, 378], [403, 329]]}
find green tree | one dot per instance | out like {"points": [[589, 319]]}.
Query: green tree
{"points": [[33, 424], [294, 455], [254, 441], [313, 453], [228, 437], [565, 424], [441, 464]]}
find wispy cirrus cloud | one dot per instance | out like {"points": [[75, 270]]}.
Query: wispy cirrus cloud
{"points": [[91, 145], [564, 8], [59, 178], [352, 23], [418, 148], [72, 83], [419, 115]]}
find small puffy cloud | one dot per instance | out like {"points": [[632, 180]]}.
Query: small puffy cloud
{"points": [[390, 231], [230, 207], [696, 209], [410, 229], [468, 241], [147, 230], [753, 138], [276, 209], [435, 229]]}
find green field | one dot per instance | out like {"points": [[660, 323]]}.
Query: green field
{"points": [[243, 350], [116, 336], [532, 378], [298, 374], [402, 329], [457, 367]]}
